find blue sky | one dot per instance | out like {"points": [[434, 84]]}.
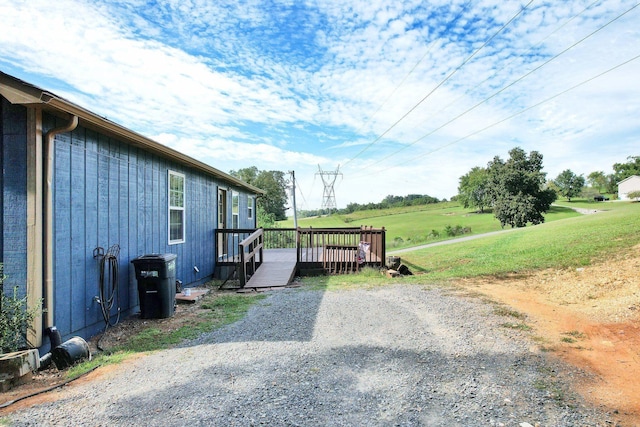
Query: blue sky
{"points": [[406, 96]]}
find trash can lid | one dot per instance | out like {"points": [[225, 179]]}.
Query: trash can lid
{"points": [[156, 257]]}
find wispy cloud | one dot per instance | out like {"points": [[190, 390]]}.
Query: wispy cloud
{"points": [[290, 84]]}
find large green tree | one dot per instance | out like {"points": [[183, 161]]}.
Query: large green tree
{"points": [[274, 183], [517, 189], [569, 184], [473, 190], [597, 180], [625, 170]]}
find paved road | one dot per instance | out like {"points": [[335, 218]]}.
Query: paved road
{"points": [[450, 242]]}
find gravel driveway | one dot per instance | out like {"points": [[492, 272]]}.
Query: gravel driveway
{"points": [[388, 356]]}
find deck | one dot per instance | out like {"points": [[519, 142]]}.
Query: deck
{"points": [[270, 258]]}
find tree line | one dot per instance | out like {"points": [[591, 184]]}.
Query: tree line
{"points": [[389, 201], [271, 206]]}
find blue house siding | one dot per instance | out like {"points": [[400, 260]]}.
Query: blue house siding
{"points": [[13, 198], [108, 192]]}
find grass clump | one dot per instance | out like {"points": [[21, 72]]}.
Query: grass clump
{"points": [[229, 308], [554, 391], [575, 334], [101, 359], [219, 311], [517, 326], [508, 312], [367, 277], [571, 337]]}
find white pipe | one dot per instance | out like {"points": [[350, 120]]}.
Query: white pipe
{"points": [[48, 215]]}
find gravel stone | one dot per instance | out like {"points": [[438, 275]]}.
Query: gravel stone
{"points": [[386, 356]]}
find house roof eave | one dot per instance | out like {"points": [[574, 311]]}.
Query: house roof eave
{"points": [[628, 178], [19, 92]]}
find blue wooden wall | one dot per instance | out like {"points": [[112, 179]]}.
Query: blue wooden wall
{"points": [[13, 195], [108, 192]]}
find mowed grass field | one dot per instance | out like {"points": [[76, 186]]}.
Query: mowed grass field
{"points": [[570, 243], [415, 225]]}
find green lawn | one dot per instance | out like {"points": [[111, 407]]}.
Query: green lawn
{"points": [[572, 242]]}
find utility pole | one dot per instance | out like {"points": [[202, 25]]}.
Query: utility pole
{"points": [[293, 198], [329, 193]]}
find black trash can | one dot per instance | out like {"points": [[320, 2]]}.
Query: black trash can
{"points": [[156, 276]]}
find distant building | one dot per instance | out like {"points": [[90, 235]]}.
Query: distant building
{"points": [[627, 186], [74, 184]]}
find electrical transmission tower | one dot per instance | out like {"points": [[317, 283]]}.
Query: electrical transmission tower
{"points": [[329, 194]]}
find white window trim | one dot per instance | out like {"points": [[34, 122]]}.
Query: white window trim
{"points": [[251, 206], [235, 196], [179, 208]]}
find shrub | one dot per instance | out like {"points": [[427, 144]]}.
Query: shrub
{"points": [[15, 319], [458, 230]]}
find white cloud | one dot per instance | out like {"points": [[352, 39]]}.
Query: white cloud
{"points": [[288, 84]]}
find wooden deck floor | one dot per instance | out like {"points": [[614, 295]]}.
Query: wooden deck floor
{"points": [[277, 270]]}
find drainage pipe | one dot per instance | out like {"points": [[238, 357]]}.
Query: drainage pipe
{"points": [[49, 138]]}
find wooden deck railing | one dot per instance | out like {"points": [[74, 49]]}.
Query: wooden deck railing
{"points": [[334, 250], [227, 241], [280, 238], [251, 256], [341, 250]]}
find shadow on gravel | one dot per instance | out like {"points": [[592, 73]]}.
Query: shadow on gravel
{"points": [[354, 385], [277, 319]]}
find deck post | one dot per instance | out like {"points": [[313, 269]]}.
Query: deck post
{"points": [[383, 251], [242, 271], [298, 246]]}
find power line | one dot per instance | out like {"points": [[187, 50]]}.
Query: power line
{"points": [[502, 89], [400, 85], [512, 61], [446, 78], [517, 113], [300, 191]]}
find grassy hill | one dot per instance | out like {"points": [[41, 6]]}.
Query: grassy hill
{"points": [[415, 225], [573, 242]]}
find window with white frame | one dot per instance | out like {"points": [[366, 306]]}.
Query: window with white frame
{"points": [[176, 207], [250, 203], [235, 210]]}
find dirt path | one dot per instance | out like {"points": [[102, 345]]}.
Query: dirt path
{"points": [[590, 318], [451, 241]]}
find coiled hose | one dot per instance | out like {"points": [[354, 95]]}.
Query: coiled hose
{"points": [[109, 289]]}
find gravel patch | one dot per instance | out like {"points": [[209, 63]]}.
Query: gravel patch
{"points": [[388, 356]]}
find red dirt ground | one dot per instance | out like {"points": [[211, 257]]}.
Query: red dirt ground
{"points": [[590, 318]]}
